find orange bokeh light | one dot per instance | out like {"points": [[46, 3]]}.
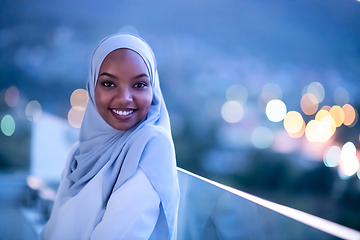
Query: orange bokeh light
{"points": [[349, 114], [326, 107], [293, 122], [299, 133], [338, 115]]}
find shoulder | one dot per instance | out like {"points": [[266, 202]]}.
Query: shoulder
{"points": [[160, 141], [150, 148], [158, 157], [155, 130], [153, 137]]}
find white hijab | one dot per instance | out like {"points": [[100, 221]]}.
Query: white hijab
{"points": [[148, 144]]}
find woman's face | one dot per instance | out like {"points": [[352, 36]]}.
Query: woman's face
{"points": [[123, 92]]}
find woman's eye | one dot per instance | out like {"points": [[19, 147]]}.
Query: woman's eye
{"points": [[140, 85], [107, 84]]}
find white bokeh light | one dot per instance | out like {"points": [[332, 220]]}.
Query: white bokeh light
{"points": [[33, 111], [237, 92], [232, 111], [276, 110], [317, 89], [332, 156], [262, 137], [349, 163], [348, 150], [271, 91]]}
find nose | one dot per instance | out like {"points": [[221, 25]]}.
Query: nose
{"points": [[123, 95]]}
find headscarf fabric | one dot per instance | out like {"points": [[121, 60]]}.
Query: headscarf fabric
{"points": [[147, 145]]}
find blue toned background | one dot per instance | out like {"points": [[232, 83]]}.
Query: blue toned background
{"points": [[220, 64]]}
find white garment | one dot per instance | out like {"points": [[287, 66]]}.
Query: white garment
{"points": [[139, 223]]}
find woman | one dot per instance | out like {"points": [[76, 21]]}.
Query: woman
{"points": [[120, 181]]}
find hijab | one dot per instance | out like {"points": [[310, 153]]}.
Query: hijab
{"points": [[148, 144]]}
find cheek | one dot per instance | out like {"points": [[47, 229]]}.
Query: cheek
{"points": [[100, 100], [97, 97], [149, 99], [146, 99]]}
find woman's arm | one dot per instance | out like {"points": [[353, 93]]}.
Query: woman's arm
{"points": [[132, 211]]}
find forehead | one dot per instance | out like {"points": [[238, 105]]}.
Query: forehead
{"points": [[123, 54], [124, 58]]}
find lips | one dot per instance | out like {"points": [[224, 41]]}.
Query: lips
{"points": [[122, 114]]}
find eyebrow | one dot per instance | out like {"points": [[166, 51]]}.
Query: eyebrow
{"points": [[113, 76], [107, 74], [140, 76]]}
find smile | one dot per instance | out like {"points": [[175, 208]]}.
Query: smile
{"points": [[122, 113]]}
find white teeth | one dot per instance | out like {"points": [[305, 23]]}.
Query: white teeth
{"points": [[122, 113]]}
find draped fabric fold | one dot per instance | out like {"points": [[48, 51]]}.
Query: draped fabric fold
{"points": [[147, 145]]}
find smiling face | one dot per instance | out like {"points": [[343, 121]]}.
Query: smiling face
{"points": [[123, 91]]}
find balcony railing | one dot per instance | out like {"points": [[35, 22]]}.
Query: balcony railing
{"points": [[208, 210]]}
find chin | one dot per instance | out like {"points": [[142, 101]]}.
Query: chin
{"points": [[123, 127]]}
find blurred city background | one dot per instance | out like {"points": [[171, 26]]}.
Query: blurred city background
{"points": [[263, 95]]}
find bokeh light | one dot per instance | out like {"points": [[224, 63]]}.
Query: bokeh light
{"points": [[47, 193], [8, 125], [33, 111], [341, 96], [271, 91], [326, 107], [317, 89], [330, 121], [350, 114], [300, 133], [309, 103], [326, 131], [340, 173], [262, 137], [237, 92], [338, 115], [12, 96], [276, 110], [349, 166], [322, 114], [332, 156], [293, 122], [349, 163], [325, 116], [79, 99], [318, 131], [34, 182], [75, 117], [61, 36], [348, 150], [232, 111]]}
